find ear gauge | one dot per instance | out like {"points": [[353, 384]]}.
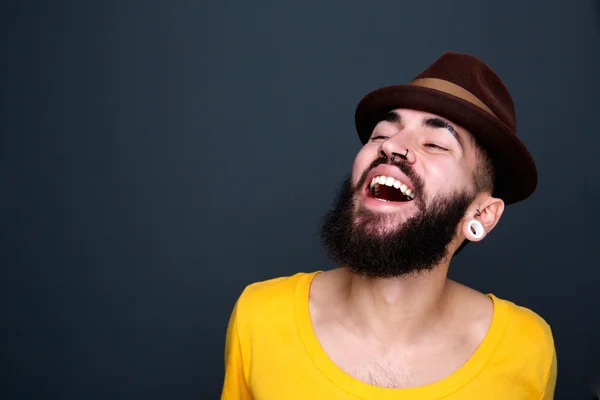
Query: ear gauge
{"points": [[475, 228]]}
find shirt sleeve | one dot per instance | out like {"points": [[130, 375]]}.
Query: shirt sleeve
{"points": [[551, 380], [235, 385]]}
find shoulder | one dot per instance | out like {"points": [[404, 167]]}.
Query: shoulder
{"points": [[529, 336], [518, 322], [273, 289], [528, 326], [263, 301]]}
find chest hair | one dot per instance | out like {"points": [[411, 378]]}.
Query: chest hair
{"points": [[387, 373]]}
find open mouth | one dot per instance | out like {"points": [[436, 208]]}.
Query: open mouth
{"points": [[386, 188]]}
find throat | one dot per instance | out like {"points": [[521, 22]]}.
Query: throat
{"points": [[398, 308]]}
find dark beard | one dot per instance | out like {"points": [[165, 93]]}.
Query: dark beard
{"points": [[353, 240]]}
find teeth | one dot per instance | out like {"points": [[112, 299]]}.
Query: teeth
{"points": [[391, 182]]}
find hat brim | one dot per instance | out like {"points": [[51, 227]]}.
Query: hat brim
{"points": [[516, 173]]}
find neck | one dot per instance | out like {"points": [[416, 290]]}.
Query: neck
{"points": [[399, 308]]}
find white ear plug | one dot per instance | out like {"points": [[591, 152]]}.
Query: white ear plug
{"points": [[475, 228]]}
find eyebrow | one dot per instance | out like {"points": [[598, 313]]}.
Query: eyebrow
{"points": [[432, 122], [392, 116], [440, 123]]}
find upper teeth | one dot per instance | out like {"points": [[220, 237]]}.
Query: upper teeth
{"points": [[389, 181]]}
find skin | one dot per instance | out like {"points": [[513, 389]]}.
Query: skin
{"points": [[408, 331]]}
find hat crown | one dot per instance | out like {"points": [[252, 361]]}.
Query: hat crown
{"points": [[465, 90], [473, 75]]}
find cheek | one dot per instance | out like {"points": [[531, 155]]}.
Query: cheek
{"points": [[444, 178], [361, 163]]}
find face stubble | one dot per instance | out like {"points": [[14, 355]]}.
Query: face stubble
{"points": [[362, 240]]}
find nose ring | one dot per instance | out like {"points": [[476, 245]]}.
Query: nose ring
{"points": [[399, 155]]}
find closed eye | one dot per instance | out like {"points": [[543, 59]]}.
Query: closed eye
{"points": [[379, 137], [435, 146]]}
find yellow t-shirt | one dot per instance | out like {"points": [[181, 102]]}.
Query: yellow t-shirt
{"points": [[272, 353]]}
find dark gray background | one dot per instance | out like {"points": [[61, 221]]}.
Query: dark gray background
{"points": [[159, 156]]}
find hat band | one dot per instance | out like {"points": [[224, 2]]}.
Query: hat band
{"points": [[453, 89]]}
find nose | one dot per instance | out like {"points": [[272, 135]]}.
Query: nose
{"points": [[396, 151]]}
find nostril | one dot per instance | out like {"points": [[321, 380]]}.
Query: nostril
{"points": [[402, 156]]}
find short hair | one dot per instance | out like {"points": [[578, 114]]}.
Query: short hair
{"points": [[484, 174]]}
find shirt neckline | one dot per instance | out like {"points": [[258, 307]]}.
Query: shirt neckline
{"points": [[432, 391]]}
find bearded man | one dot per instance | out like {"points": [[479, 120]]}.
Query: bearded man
{"points": [[439, 163]]}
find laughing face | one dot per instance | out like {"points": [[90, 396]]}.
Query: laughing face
{"points": [[412, 185]]}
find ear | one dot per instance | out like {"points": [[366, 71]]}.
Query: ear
{"points": [[481, 217]]}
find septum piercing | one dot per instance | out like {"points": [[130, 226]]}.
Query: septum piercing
{"points": [[393, 157]]}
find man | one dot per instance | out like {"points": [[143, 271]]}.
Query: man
{"points": [[439, 162]]}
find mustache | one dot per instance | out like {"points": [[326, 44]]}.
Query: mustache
{"points": [[419, 185]]}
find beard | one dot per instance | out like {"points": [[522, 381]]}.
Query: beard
{"points": [[362, 241]]}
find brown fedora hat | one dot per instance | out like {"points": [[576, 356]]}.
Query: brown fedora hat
{"points": [[466, 91]]}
